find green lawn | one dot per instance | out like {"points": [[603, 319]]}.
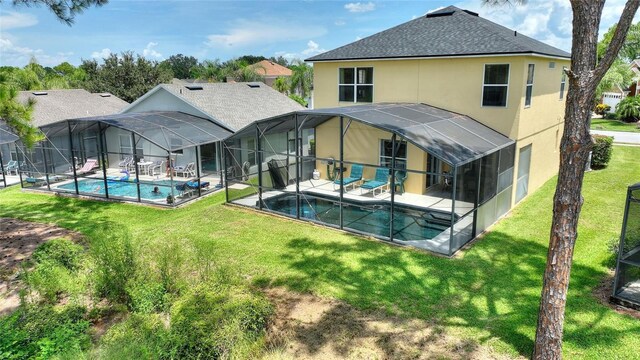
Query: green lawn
{"points": [[613, 125], [488, 293]]}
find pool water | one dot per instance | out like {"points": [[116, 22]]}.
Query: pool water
{"points": [[122, 189], [408, 223]]}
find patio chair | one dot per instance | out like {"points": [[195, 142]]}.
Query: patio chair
{"points": [[353, 179], [126, 162], [157, 166], [380, 181], [186, 170], [88, 168], [401, 177]]}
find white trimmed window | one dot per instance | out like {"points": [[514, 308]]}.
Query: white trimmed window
{"points": [[386, 153], [355, 84], [529, 89], [563, 82], [496, 85]]}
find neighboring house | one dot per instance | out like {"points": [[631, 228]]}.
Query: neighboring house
{"points": [[613, 96], [455, 60], [634, 89], [437, 126], [271, 71], [56, 105]]}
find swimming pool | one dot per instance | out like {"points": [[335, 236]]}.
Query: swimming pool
{"points": [[122, 189], [408, 223]]}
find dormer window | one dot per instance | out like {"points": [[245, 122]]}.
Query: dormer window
{"points": [[496, 85], [355, 84]]}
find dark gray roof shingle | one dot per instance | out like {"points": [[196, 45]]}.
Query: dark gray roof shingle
{"points": [[446, 32], [58, 105]]}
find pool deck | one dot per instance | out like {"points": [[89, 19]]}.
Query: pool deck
{"points": [[11, 180], [55, 186], [325, 189]]}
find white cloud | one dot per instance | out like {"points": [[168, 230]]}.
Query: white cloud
{"points": [[102, 54], [12, 54], [149, 51], [312, 49], [340, 22], [245, 32], [360, 7], [14, 20]]}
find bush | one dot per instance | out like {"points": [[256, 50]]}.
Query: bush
{"points": [[612, 116], [218, 322], [114, 264], [137, 337], [602, 109], [629, 109], [61, 251], [298, 99], [601, 152], [42, 332]]}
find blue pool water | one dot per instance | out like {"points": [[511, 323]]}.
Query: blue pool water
{"points": [[122, 189], [408, 223]]}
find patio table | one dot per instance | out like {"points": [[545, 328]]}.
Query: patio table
{"points": [[144, 165]]}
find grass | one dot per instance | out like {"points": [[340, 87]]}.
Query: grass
{"points": [[613, 125], [489, 293]]}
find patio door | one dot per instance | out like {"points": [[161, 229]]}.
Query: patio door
{"points": [[434, 166], [524, 162], [208, 158]]}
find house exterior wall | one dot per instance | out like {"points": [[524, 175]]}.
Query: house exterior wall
{"points": [[456, 84], [362, 146], [163, 100]]}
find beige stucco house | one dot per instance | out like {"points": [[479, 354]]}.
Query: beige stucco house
{"points": [[423, 134]]}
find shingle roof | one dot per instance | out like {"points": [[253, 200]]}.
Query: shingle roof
{"points": [[236, 104], [446, 32], [59, 105], [269, 68]]}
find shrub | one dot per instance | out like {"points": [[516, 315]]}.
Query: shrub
{"points": [[612, 116], [601, 152], [602, 109], [629, 109], [298, 99], [42, 332], [218, 322], [114, 263], [61, 251], [137, 337]]}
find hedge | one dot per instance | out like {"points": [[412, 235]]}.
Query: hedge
{"points": [[601, 152]]}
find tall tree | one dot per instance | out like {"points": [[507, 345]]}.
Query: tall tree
{"points": [[180, 65], [301, 78], [127, 76], [584, 76], [64, 10], [18, 116], [630, 48]]}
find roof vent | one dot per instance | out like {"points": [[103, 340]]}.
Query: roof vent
{"points": [[40, 93], [194, 87], [440, 13], [253, 85], [105, 95]]}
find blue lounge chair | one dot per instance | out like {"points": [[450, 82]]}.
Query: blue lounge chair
{"points": [[12, 166], [353, 179], [379, 182], [191, 186]]}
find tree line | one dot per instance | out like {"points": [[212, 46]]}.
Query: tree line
{"points": [[129, 76]]}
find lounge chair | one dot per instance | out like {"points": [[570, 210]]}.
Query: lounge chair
{"points": [[353, 179], [157, 166], [12, 166], [88, 168], [191, 186], [186, 170], [126, 162], [379, 182]]}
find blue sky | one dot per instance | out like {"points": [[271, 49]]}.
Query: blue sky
{"points": [[225, 29]]}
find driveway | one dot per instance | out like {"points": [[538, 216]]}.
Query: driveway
{"points": [[620, 137]]}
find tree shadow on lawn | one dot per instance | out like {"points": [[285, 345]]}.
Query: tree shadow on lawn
{"points": [[494, 288]]}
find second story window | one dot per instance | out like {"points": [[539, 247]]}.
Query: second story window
{"points": [[529, 90], [563, 83], [356, 84], [496, 85]]}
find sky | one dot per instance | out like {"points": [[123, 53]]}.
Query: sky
{"points": [[222, 30]]}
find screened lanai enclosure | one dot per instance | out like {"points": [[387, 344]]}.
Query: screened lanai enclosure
{"points": [[412, 174], [162, 158], [8, 157], [627, 282]]}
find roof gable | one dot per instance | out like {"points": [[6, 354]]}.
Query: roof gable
{"points": [[447, 32]]}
